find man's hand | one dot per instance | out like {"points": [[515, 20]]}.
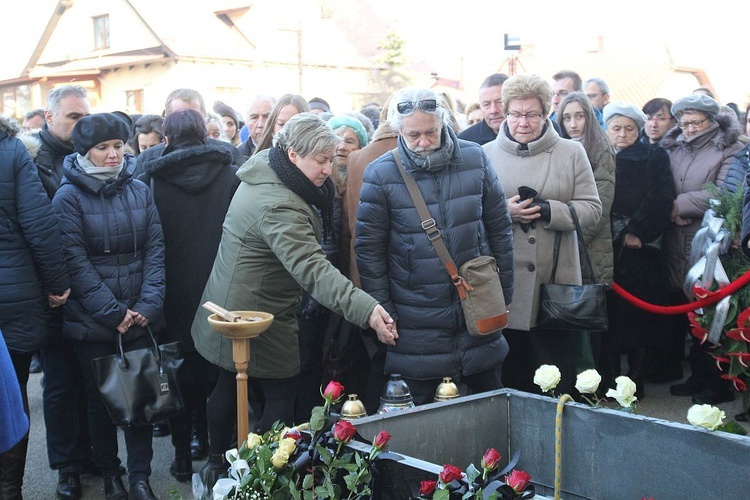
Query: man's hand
{"points": [[520, 212], [58, 300], [384, 326]]}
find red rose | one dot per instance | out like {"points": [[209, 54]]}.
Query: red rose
{"points": [[381, 440], [344, 431], [333, 391], [518, 480], [449, 473], [490, 460], [427, 487], [294, 434]]}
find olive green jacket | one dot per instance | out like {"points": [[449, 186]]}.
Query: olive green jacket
{"points": [[269, 251]]}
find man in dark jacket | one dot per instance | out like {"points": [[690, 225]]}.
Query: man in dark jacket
{"points": [[32, 273], [400, 267], [63, 395], [491, 104]]}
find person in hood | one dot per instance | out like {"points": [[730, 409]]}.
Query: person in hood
{"points": [[192, 183], [114, 250]]}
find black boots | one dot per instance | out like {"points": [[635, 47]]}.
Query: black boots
{"points": [[12, 464], [141, 491], [182, 468], [199, 440], [216, 468], [637, 365], [69, 486], [114, 489]]}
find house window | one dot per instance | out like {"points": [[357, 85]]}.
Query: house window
{"points": [[134, 101], [101, 32]]}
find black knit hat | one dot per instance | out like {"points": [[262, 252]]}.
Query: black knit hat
{"points": [[93, 129]]}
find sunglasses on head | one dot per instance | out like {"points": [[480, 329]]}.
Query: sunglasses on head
{"points": [[405, 108]]}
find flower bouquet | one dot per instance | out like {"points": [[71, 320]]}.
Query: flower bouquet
{"points": [[306, 462], [489, 483]]}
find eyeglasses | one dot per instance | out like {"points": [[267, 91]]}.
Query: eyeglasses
{"points": [[561, 93], [694, 123], [532, 116], [406, 108]]}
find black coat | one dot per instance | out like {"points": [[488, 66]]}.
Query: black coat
{"points": [[192, 188], [114, 249], [481, 133], [32, 262], [49, 160], [644, 194]]}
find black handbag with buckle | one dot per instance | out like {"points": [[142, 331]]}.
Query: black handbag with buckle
{"points": [[572, 307], [141, 386]]}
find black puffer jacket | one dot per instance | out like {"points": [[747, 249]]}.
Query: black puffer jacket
{"points": [[738, 171], [49, 160], [399, 266], [115, 252], [32, 263], [192, 189]]}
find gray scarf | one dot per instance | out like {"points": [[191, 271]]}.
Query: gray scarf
{"points": [[438, 159], [101, 173]]}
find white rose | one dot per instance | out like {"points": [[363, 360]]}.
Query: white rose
{"points": [[706, 416], [624, 393], [547, 377], [588, 381]]}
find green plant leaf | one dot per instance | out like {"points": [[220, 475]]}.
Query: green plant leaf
{"points": [[472, 473], [732, 427], [441, 495], [325, 454], [317, 419], [307, 483]]}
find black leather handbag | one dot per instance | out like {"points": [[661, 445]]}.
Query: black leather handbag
{"points": [[141, 386], [572, 307]]}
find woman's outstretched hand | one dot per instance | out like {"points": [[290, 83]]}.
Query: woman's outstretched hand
{"points": [[384, 326]]}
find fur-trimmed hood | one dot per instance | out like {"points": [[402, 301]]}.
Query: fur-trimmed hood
{"points": [[728, 133], [9, 126]]}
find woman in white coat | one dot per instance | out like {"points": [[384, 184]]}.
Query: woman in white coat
{"points": [[528, 153]]}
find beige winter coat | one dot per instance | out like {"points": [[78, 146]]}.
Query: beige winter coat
{"points": [[559, 171], [704, 158]]}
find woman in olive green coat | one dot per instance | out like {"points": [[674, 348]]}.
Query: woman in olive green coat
{"points": [[269, 251]]}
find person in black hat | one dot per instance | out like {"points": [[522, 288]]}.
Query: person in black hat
{"points": [[114, 250]]}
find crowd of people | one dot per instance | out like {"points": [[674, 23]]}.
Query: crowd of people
{"points": [[114, 224]]}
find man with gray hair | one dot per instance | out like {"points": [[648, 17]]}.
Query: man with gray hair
{"points": [[63, 394], [491, 104], [597, 91], [257, 115], [398, 264]]}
